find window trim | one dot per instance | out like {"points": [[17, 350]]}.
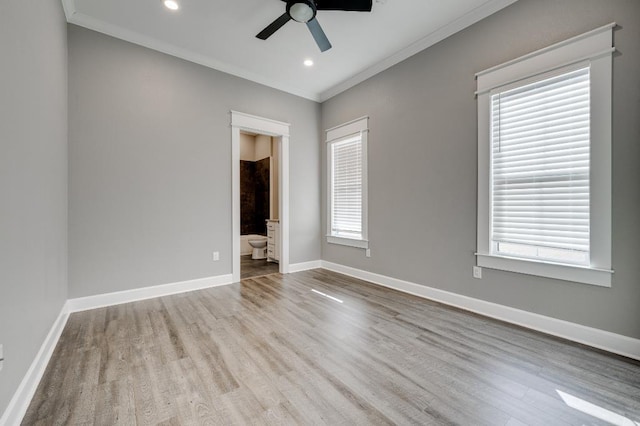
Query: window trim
{"points": [[595, 49], [334, 135]]}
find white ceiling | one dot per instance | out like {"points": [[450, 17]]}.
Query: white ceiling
{"points": [[221, 34]]}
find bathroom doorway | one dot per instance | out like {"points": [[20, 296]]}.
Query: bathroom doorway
{"points": [[260, 158], [259, 218]]}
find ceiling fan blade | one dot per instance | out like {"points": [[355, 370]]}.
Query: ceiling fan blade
{"points": [[274, 26], [318, 35], [347, 5]]}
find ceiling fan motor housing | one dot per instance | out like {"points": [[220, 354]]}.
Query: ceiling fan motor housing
{"points": [[301, 10], [304, 11]]}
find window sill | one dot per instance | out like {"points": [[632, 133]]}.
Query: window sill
{"points": [[574, 273], [347, 242]]}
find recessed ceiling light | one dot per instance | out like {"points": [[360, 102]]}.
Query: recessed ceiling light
{"points": [[308, 62], [171, 4]]}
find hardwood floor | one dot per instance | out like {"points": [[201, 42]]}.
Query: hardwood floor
{"points": [[277, 350], [255, 268]]}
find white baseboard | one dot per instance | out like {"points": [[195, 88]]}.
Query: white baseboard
{"points": [[19, 404], [117, 298], [305, 266], [611, 342]]}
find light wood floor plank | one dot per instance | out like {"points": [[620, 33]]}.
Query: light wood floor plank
{"points": [[273, 350]]}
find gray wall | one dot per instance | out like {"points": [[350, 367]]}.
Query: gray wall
{"points": [[33, 181], [150, 165], [423, 170]]}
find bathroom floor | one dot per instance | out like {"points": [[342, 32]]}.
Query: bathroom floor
{"points": [[255, 268]]}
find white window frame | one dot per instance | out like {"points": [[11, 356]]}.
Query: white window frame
{"points": [[595, 50], [353, 128]]}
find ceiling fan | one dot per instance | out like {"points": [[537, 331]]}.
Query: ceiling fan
{"points": [[304, 11]]}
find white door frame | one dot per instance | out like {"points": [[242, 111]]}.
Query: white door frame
{"points": [[280, 131]]}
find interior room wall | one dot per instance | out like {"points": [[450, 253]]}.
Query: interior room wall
{"points": [[263, 147], [33, 181], [423, 163], [263, 197], [247, 147], [247, 197], [150, 165], [254, 196]]}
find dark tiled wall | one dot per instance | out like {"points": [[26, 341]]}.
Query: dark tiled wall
{"points": [[262, 195], [247, 197], [254, 196]]}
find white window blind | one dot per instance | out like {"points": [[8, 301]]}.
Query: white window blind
{"points": [[346, 187], [540, 158]]}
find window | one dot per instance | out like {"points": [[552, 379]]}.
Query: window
{"points": [[540, 169], [544, 162], [347, 185]]}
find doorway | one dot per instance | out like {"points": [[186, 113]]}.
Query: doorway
{"points": [[279, 134], [259, 215]]}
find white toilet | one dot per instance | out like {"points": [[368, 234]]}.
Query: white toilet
{"points": [[259, 248]]}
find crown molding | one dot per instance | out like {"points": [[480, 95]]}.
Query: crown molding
{"points": [[82, 20], [470, 18], [69, 7]]}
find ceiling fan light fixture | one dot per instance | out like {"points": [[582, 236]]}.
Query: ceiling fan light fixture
{"points": [[171, 4], [304, 11], [301, 11]]}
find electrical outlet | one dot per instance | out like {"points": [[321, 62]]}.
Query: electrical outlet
{"points": [[368, 253], [216, 256], [477, 272]]}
